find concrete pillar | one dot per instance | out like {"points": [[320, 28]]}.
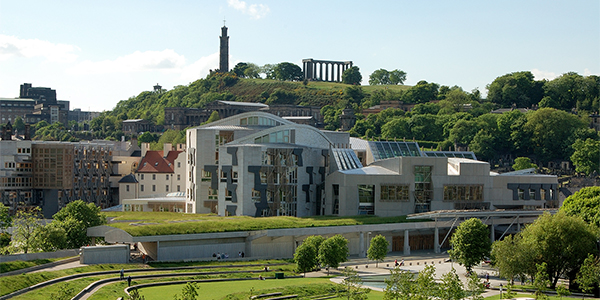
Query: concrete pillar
{"points": [[248, 247], [157, 250], [436, 240], [492, 231], [361, 245], [339, 74], [406, 245], [321, 70]]}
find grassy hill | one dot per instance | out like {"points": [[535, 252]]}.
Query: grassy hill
{"points": [[225, 86]]}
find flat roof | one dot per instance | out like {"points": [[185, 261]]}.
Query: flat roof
{"points": [[439, 214]]}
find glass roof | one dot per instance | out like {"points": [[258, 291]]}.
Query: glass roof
{"points": [[383, 150], [346, 159], [459, 154]]}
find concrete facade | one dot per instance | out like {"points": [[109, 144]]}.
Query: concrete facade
{"points": [[112, 254], [257, 164]]}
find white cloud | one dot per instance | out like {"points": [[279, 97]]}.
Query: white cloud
{"points": [[11, 46], [256, 11], [166, 60], [200, 68], [539, 75]]}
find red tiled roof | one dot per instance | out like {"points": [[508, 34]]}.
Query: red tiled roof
{"points": [[154, 162]]}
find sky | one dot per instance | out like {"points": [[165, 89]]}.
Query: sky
{"points": [[97, 53]]}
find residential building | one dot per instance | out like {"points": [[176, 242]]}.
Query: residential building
{"points": [[158, 174]]}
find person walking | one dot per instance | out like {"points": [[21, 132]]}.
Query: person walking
{"points": [[122, 273], [129, 280]]}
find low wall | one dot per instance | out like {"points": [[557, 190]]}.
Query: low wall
{"points": [[113, 254], [39, 255]]}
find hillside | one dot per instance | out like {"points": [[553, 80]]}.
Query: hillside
{"points": [[150, 105]]}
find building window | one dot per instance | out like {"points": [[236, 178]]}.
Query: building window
{"points": [[463, 192], [142, 187], [179, 164], [336, 199], [423, 188], [142, 176], [531, 194], [366, 199], [255, 195], [153, 176], [178, 176], [167, 177], [394, 193], [127, 187], [166, 188], [154, 188], [179, 188], [206, 176], [521, 193]]}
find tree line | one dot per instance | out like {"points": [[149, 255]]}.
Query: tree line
{"points": [[68, 229], [555, 129]]}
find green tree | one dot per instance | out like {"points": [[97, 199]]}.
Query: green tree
{"points": [[588, 276], [586, 155], [88, 213], [426, 287], [252, 71], [25, 224], [333, 251], [268, 70], [352, 286], [50, 238], [134, 294], [451, 287], [188, 292], [380, 77], [422, 92], [19, 125], [562, 291], [352, 76], [463, 132], [75, 218], [572, 90], [522, 163], [540, 282], [399, 286], [378, 249], [549, 134], [512, 258], [474, 287], [518, 88], [214, 116], [397, 77], [287, 72], [5, 218], [240, 69], [585, 204], [470, 243], [396, 128], [306, 255], [561, 241]]}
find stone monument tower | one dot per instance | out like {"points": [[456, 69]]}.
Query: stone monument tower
{"points": [[224, 51]]}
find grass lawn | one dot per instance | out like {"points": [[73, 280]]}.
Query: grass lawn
{"points": [[19, 264], [218, 290], [165, 223]]}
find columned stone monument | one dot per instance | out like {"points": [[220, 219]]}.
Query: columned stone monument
{"points": [[324, 70], [224, 51]]}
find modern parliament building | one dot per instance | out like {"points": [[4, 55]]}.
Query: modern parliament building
{"points": [[258, 164]]}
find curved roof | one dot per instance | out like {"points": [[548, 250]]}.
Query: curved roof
{"points": [[235, 119], [249, 139]]}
